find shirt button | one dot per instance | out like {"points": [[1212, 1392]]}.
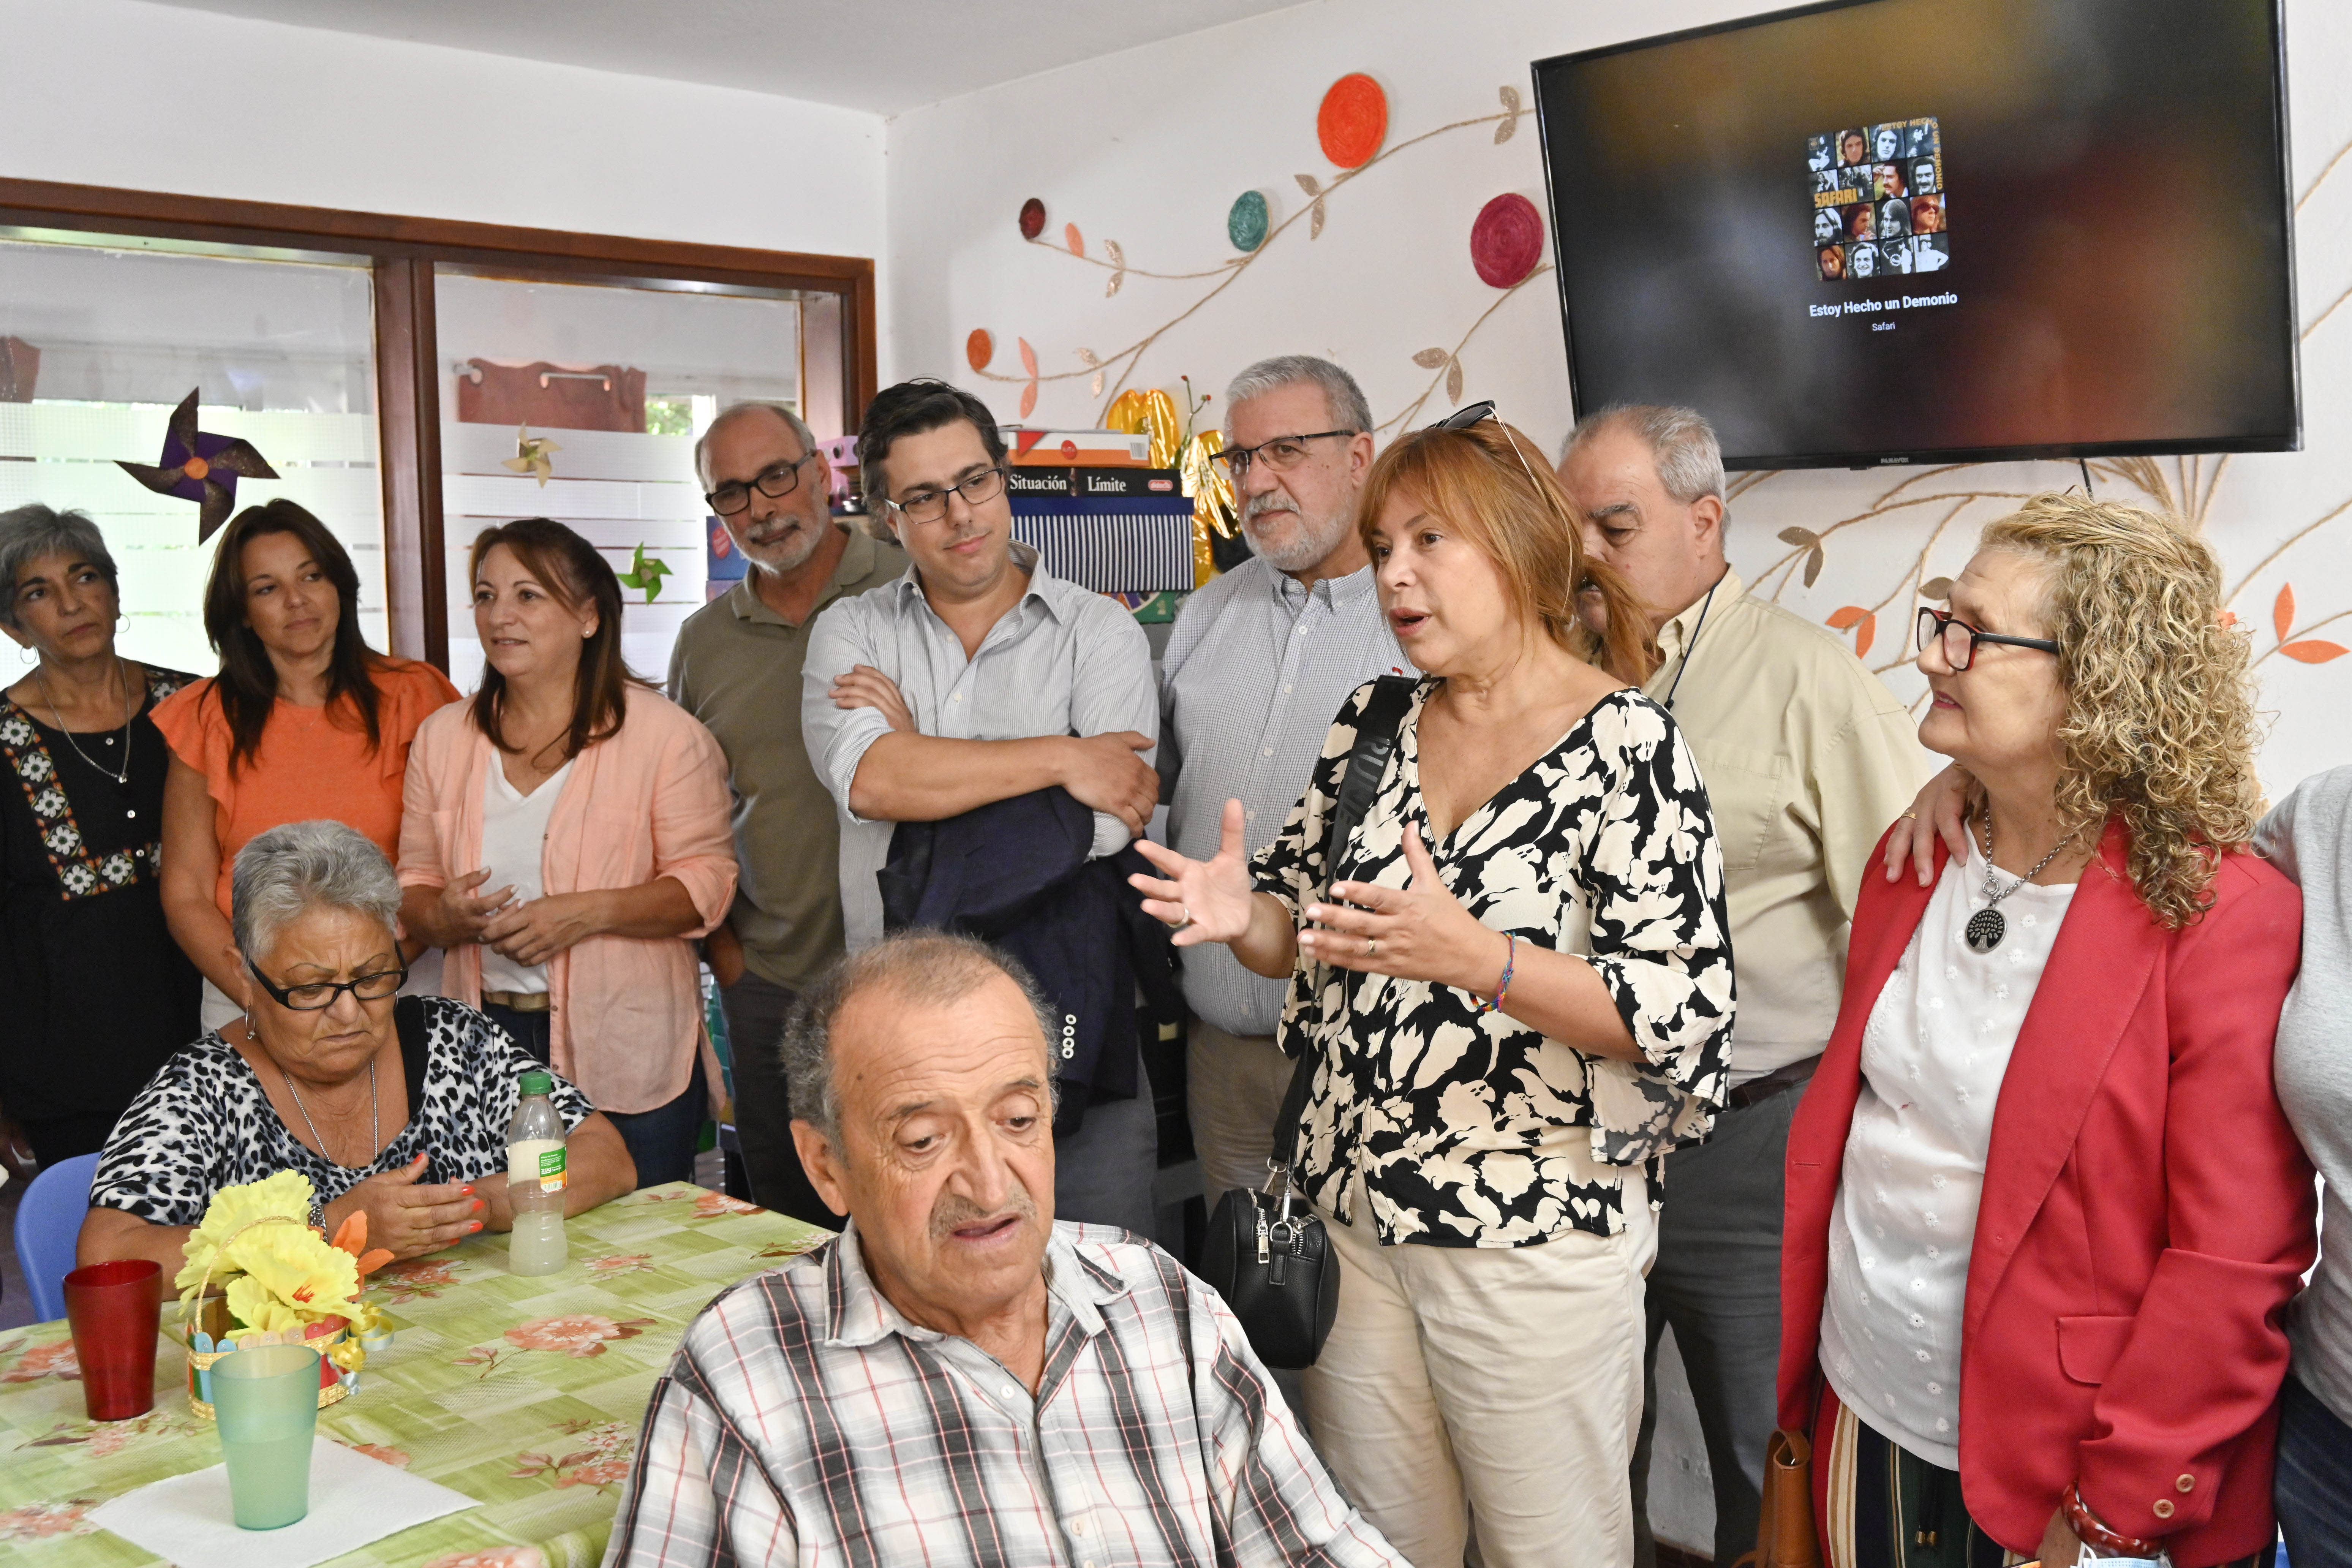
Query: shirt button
{"points": [[2163, 1509], [957, 698], [1077, 1527], [1269, 751], [1286, 690], [2187, 1483], [1011, 1391]]}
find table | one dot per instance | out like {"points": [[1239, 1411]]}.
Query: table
{"points": [[525, 1395]]}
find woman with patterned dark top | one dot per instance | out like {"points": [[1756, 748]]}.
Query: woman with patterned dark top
{"points": [[394, 1106], [1516, 990], [98, 993]]}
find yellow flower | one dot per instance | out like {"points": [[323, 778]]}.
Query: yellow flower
{"points": [[289, 1277], [286, 1195]]}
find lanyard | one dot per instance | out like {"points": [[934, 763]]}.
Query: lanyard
{"points": [[1692, 647]]}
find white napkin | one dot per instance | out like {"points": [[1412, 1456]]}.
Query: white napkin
{"points": [[354, 1500]]}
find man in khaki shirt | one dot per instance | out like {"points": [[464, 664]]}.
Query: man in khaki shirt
{"points": [[737, 668], [1807, 758]]}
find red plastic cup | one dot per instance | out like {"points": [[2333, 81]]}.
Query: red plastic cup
{"points": [[115, 1309]]}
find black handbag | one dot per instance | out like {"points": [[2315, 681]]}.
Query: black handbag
{"points": [[1266, 1253]]}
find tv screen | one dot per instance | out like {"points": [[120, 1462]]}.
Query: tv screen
{"points": [[1900, 231]]}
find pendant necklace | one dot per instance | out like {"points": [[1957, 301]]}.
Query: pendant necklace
{"points": [[123, 776], [1988, 925], [375, 1123]]}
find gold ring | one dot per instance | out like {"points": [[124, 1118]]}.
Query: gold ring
{"points": [[1185, 911], [1909, 816], [1372, 946]]}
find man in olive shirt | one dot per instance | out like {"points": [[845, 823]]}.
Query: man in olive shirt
{"points": [[1807, 757], [737, 668]]}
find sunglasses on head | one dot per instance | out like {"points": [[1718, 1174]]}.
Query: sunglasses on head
{"points": [[1462, 418]]}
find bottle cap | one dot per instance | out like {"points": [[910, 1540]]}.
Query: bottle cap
{"points": [[538, 1080]]}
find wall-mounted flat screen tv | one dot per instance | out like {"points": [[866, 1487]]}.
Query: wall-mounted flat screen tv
{"points": [[1900, 231]]}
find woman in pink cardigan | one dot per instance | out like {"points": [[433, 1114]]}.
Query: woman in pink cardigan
{"points": [[564, 838]]}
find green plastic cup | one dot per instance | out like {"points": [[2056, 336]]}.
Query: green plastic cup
{"points": [[265, 1401]]}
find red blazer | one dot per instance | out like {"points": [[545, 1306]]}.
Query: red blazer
{"points": [[2146, 1215]]}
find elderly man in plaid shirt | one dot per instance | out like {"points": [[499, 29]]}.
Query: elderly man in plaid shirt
{"points": [[958, 1380]]}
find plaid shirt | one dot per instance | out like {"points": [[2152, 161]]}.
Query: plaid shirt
{"points": [[803, 1420]]}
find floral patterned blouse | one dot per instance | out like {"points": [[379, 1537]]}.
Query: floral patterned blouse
{"points": [[1460, 1121]]}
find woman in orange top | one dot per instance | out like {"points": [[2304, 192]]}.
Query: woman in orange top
{"points": [[566, 835], [303, 721]]}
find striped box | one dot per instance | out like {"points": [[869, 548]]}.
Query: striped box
{"points": [[1136, 544]]}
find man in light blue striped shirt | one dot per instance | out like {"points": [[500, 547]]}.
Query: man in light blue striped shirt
{"points": [[1258, 664]]}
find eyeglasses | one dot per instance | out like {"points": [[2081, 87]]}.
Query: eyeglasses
{"points": [[320, 996], [1462, 418], [1960, 639], [778, 481], [929, 506], [1282, 454]]}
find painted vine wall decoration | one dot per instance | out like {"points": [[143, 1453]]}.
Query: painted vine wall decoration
{"points": [[1506, 245]]}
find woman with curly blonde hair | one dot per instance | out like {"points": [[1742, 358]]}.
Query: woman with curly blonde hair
{"points": [[2043, 1209]]}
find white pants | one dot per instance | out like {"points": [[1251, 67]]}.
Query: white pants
{"points": [[1498, 1389]]}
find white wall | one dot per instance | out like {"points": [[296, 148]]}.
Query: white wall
{"points": [[116, 92], [1150, 148]]}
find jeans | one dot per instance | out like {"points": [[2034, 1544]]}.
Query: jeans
{"points": [[2313, 1484], [1717, 1281], [755, 1011], [661, 1141]]}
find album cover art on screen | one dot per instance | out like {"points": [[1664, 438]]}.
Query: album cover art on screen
{"points": [[1878, 200]]}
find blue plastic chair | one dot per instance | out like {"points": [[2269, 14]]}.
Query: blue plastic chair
{"points": [[48, 1222]]}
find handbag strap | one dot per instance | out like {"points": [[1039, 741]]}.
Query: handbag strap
{"points": [[1376, 739]]}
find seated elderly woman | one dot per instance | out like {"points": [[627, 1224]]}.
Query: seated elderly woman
{"points": [[396, 1109]]}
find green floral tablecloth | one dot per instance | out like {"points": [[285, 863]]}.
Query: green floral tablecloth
{"points": [[524, 1394]]}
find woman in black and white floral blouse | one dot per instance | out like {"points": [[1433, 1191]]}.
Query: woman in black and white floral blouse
{"points": [[1518, 996]]}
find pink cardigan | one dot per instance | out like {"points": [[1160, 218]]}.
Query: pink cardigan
{"points": [[649, 802]]}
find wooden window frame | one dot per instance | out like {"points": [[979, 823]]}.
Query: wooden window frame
{"points": [[404, 251]]}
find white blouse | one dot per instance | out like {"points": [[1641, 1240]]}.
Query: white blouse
{"points": [[1933, 1056], [514, 847]]}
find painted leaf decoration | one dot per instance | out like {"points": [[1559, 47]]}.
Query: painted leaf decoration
{"points": [[1510, 97], [1863, 636], [2313, 652], [1845, 616], [1111, 249], [1077, 241], [2229, 617], [1454, 381], [1800, 537], [1506, 127], [1087, 356], [1028, 357], [2282, 612], [1095, 385], [1307, 182], [1813, 565], [1115, 280], [1936, 588], [1430, 359], [1028, 398], [1314, 221]]}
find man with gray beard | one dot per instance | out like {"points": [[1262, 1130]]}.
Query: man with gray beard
{"points": [[1259, 663], [737, 668]]}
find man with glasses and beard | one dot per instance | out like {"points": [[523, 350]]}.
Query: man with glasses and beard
{"points": [[737, 668], [1259, 662], [978, 677]]}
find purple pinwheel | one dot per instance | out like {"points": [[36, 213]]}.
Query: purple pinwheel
{"points": [[200, 467]]}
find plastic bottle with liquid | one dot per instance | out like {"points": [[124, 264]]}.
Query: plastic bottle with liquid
{"points": [[535, 1178]]}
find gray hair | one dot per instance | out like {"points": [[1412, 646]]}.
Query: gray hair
{"points": [[285, 873], [1345, 398], [1681, 444], [782, 411], [29, 532], [929, 968]]}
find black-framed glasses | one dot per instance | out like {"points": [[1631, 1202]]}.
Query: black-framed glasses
{"points": [[1282, 454], [319, 996], [1462, 418], [929, 506], [1960, 639], [777, 482]]}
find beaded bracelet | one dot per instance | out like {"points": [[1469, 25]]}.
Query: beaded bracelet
{"points": [[2089, 1526], [1503, 986]]}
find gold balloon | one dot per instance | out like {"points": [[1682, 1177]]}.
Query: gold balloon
{"points": [[1138, 412], [1211, 486]]}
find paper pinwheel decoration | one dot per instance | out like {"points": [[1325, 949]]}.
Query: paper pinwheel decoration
{"points": [[643, 574], [532, 455], [200, 467]]}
